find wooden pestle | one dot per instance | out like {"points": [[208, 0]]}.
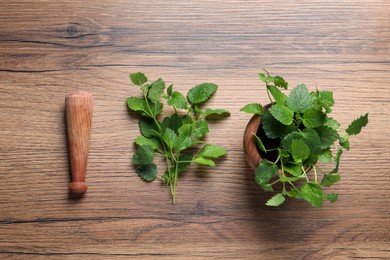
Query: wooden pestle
{"points": [[78, 106]]}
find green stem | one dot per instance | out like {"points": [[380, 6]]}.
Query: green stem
{"points": [[304, 171], [315, 173]]}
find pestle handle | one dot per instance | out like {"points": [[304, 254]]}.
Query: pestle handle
{"points": [[78, 106]]}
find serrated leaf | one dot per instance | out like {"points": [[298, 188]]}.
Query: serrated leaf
{"points": [[156, 108], [273, 128], [313, 118], [327, 135], [279, 96], [204, 161], [299, 150], [293, 169], [138, 105], [287, 140], [259, 143], [138, 78], [201, 128], [332, 197], [177, 100], [264, 172], [329, 179], [356, 126], [170, 138], [325, 156], [201, 93], [152, 142], [299, 99], [277, 80], [143, 155], [312, 193], [276, 200], [156, 90], [148, 127], [254, 108], [173, 122], [147, 172], [337, 160], [212, 112], [344, 142], [332, 123], [282, 113], [212, 151], [312, 139], [184, 161], [326, 100]]}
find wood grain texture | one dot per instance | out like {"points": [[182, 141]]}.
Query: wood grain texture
{"points": [[50, 48]]}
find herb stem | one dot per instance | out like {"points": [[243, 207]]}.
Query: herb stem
{"points": [[315, 173], [304, 172]]}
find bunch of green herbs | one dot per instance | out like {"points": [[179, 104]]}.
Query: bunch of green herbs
{"points": [[172, 136], [301, 133]]}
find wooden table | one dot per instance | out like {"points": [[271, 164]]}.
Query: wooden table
{"points": [[50, 48]]}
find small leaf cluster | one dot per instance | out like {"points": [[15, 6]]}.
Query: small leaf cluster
{"points": [[173, 135], [303, 133]]}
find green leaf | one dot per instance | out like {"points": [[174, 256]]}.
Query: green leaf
{"points": [[326, 100], [212, 112], [325, 156], [201, 128], [152, 142], [337, 160], [300, 151], [138, 105], [138, 78], [299, 99], [170, 138], [344, 142], [212, 151], [277, 80], [143, 155], [273, 128], [254, 108], [201, 93], [147, 172], [279, 96], [287, 140], [312, 193], [184, 161], [332, 123], [276, 200], [148, 127], [156, 108], [329, 179], [173, 122], [282, 113], [313, 118], [156, 90], [169, 90], [259, 143], [356, 126], [332, 197], [204, 161], [293, 169], [177, 100], [311, 138], [264, 172], [327, 135]]}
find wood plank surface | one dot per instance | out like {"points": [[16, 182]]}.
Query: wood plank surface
{"points": [[50, 48]]}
